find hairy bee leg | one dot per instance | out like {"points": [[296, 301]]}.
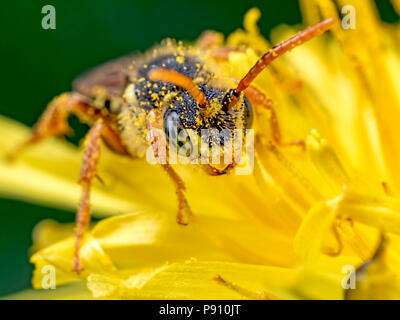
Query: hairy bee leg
{"points": [[183, 206], [54, 122], [184, 211], [88, 172], [113, 140], [222, 53], [258, 98], [210, 39]]}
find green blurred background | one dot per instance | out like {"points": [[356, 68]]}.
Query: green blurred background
{"points": [[38, 64]]}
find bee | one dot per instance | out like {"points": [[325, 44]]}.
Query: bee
{"points": [[173, 87]]}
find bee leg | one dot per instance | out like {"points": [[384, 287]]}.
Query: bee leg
{"points": [[184, 212], [258, 98], [53, 121], [212, 42], [222, 53], [210, 39], [88, 172]]}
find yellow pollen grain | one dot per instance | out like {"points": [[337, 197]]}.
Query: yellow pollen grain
{"points": [[180, 59]]}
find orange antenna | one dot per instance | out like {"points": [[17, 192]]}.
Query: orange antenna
{"points": [[278, 50], [180, 80]]}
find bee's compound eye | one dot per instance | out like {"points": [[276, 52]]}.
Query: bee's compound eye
{"points": [[177, 136], [172, 124], [248, 113]]}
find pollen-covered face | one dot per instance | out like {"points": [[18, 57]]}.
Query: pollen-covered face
{"points": [[208, 134]]}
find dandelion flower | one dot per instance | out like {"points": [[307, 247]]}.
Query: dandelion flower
{"points": [[288, 231]]}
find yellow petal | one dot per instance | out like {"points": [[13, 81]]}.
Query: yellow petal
{"points": [[73, 291], [60, 256], [323, 280], [48, 174], [314, 229], [48, 232], [150, 239], [327, 163], [106, 286], [373, 210], [374, 280], [195, 280]]}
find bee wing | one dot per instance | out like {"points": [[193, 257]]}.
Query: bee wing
{"points": [[111, 76]]}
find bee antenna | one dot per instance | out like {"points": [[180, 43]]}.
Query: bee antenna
{"points": [[180, 80], [278, 50]]}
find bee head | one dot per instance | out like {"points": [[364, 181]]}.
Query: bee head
{"points": [[211, 133]]}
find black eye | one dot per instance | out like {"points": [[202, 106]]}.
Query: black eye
{"points": [[172, 125], [176, 134]]}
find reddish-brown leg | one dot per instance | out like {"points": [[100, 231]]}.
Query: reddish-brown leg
{"points": [[53, 122], [213, 43], [184, 211], [88, 172], [222, 53], [210, 39], [258, 98]]}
